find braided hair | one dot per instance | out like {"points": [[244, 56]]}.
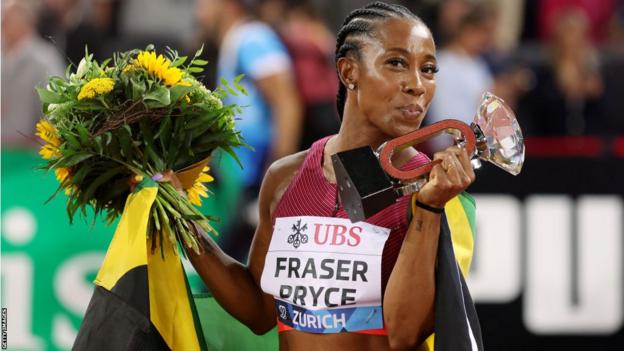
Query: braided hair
{"points": [[358, 23]]}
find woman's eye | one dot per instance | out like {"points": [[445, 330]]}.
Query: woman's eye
{"points": [[430, 69], [396, 62]]}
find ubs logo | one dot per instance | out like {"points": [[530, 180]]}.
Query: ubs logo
{"points": [[298, 236]]}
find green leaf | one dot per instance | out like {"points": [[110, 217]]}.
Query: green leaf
{"points": [[232, 153], [125, 140], [146, 131], [138, 89], [98, 144], [199, 51], [128, 129], [74, 159], [84, 134], [114, 148], [232, 91], [195, 69], [179, 61], [72, 141], [49, 97], [164, 133], [158, 97], [79, 176], [109, 138], [157, 160], [177, 92], [200, 62], [99, 181]]}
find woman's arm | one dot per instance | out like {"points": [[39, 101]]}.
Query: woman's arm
{"points": [[409, 297], [237, 286]]}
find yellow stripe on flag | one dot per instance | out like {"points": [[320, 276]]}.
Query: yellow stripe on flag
{"points": [[170, 309], [461, 234], [128, 248]]}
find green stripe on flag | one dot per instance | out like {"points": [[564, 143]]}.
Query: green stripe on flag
{"points": [[469, 205]]}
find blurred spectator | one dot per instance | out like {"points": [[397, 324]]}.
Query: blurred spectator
{"points": [[451, 14], [464, 75], [509, 24], [311, 46], [160, 22], [566, 98], [27, 61], [597, 13], [271, 117], [65, 23], [616, 26]]}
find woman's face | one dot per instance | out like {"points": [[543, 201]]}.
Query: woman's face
{"points": [[396, 76]]}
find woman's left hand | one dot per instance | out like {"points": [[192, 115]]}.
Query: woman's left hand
{"points": [[451, 176]]}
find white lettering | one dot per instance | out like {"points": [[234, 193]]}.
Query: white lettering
{"points": [[342, 320], [74, 293], [495, 274], [326, 323], [311, 321], [17, 297], [549, 306]]}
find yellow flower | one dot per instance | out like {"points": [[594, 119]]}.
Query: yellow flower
{"points": [[49, 151], [47, 132], [159, 66], [61, 173], [185, 83], [129, 68], [95, 87], [199, 189]]}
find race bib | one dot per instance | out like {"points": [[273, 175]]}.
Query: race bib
{"points": [[325, 274]]}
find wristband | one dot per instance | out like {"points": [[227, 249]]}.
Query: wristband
{"points": [[429, 208]]}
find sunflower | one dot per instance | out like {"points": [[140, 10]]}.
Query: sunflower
{"points": [[159, 66], [62, 175], [199, 189], [95, 87], [47, 132], [48, 152]]}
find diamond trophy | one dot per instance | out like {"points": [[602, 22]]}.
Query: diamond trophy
{"points": [[368, 182]]}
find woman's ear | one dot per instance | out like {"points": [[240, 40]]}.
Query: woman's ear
{"points": [[348, 71]]}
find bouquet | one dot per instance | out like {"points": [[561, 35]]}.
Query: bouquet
{"points": [[139, 116]]}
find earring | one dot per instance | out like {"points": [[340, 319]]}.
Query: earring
{"points": [[351, 86]]}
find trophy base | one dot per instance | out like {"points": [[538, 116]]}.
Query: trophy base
{"points": [[364, 187]]}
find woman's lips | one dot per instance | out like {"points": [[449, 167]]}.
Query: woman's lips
{"points": [[411, 111]]}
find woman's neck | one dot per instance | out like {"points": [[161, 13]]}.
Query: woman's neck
{"points": [[357, 132]]}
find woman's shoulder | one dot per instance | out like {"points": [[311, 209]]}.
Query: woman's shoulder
{"points": [[279, 175]]}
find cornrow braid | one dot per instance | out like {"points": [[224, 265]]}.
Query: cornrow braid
{"points": [[360, 22]]}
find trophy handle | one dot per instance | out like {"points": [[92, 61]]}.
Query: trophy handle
{"points": [[418, 136]]}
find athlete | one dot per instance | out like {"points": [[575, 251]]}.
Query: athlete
{"points": [[327, 283]]}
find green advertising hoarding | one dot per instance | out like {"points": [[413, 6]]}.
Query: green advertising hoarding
{"points": [[48, 264]]}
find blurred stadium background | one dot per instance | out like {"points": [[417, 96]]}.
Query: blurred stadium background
{"points": [[548, 270]]}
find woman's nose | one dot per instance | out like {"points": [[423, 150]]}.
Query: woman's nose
{"points": [[413, 85]]}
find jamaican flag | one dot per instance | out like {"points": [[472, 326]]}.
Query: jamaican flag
{"points": [[141, 300], [456, 323]]}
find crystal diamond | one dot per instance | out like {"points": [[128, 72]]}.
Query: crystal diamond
{"points": [[503, 137]]}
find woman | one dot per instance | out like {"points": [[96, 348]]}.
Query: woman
{"points": [[386, 64]]}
